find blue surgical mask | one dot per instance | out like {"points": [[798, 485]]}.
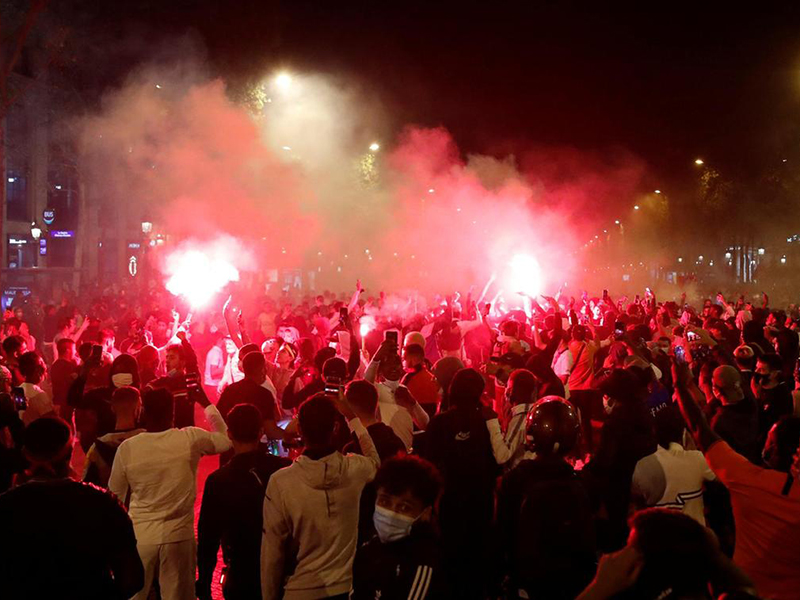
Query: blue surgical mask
{"points": [[391, 526]]}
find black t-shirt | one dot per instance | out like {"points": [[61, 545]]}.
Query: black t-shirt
{"points": [[59, 538], [247, 392]]}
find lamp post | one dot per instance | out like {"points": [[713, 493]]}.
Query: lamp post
{"points": [[36, 233]]}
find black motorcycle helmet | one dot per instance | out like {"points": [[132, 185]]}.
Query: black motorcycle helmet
{"points": [[552, 427]]}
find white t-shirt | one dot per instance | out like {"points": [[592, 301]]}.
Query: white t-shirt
{"points": [[673, 479], [39, 403]]}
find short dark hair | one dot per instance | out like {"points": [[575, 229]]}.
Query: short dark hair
{"points": [[677, 552], [28, 363], [177, 349], [61, 345], [466, 389], [158, 406], [773, 361], [317, 417], [335, 367], [85, 350], [322, 356], [125, 395], [45, 438], [669, 426], [244, 423], [362, 396], [12, 344], [525, 384], [253, 362], [248, 349], [410, 474]]}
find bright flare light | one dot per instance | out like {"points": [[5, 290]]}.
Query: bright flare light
{"points": [[525, 275], [198, 276], [283, 81], [698, 161], [374, 146]]}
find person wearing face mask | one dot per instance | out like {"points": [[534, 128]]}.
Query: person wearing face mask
{"points": [[94, 416], [396, 409], [521, 392], [126, 403], [772, 394], [403, 559]]}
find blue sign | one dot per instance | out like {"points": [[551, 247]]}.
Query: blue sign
{"points": [[49, 215], [62, 233], [43, 247]]}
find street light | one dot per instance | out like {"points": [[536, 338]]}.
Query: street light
{"points": [[635, 207], [147, 227], [374, 146], [658, 191], [698, 161], [36, 231]]}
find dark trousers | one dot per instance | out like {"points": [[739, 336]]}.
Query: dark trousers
{"points": [[586, 402]]}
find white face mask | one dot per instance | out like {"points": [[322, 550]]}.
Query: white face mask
{"points": [[122, 379], [608, 405], [391, 526]]}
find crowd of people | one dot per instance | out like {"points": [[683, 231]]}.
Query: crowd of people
{"points": [[390, 447]]}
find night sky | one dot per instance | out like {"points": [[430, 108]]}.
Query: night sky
{"points": [[668, 85]]}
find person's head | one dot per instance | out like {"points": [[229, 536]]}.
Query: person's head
{"points": [[414, 337], [466, 390], [334, 370], [769, 369], [158, 410], [678, 554], [6, 379], [107, 340], [65, 348], [322, 356], [125, 372], [510, 329], [270, 349], [244, 427], [522, 387], [669, 426], [745, 357], [14, 346], [175, 359], [782, 442], [391, 368], [413, 356], [663, 344], [229, 345], [552, 427], [726, 383], [621, 388], [66, 324], [48, 446], [254, 367], [579, 333], [362, 397], [407, 490], [148, 358], [32, 368], [126, 403], [316, 420], [287, 353]]}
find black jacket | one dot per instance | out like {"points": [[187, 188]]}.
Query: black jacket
{"points": [[737, 424], [231, 515], [405, 569]]}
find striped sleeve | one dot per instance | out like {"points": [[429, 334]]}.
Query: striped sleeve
{"points": [[421, 584]]}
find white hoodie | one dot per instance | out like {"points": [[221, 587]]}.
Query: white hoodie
{"points": [[311, 523]]}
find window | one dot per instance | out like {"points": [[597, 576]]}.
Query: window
{"points": [[62, 197], [17, 195]]}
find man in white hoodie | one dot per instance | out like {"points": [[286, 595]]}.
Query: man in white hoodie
{"points": [[311, 509]]}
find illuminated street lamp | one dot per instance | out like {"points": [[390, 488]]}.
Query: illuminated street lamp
{"points": [[147, 227], [698, 161], [616, 222], [36, 231], [374, 147], [635, 207], [658, 191]]}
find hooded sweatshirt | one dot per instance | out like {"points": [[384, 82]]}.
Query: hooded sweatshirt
{"points": [[311, 522]]}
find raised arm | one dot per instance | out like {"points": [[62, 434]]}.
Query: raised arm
{"points": [[687, 391]]}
